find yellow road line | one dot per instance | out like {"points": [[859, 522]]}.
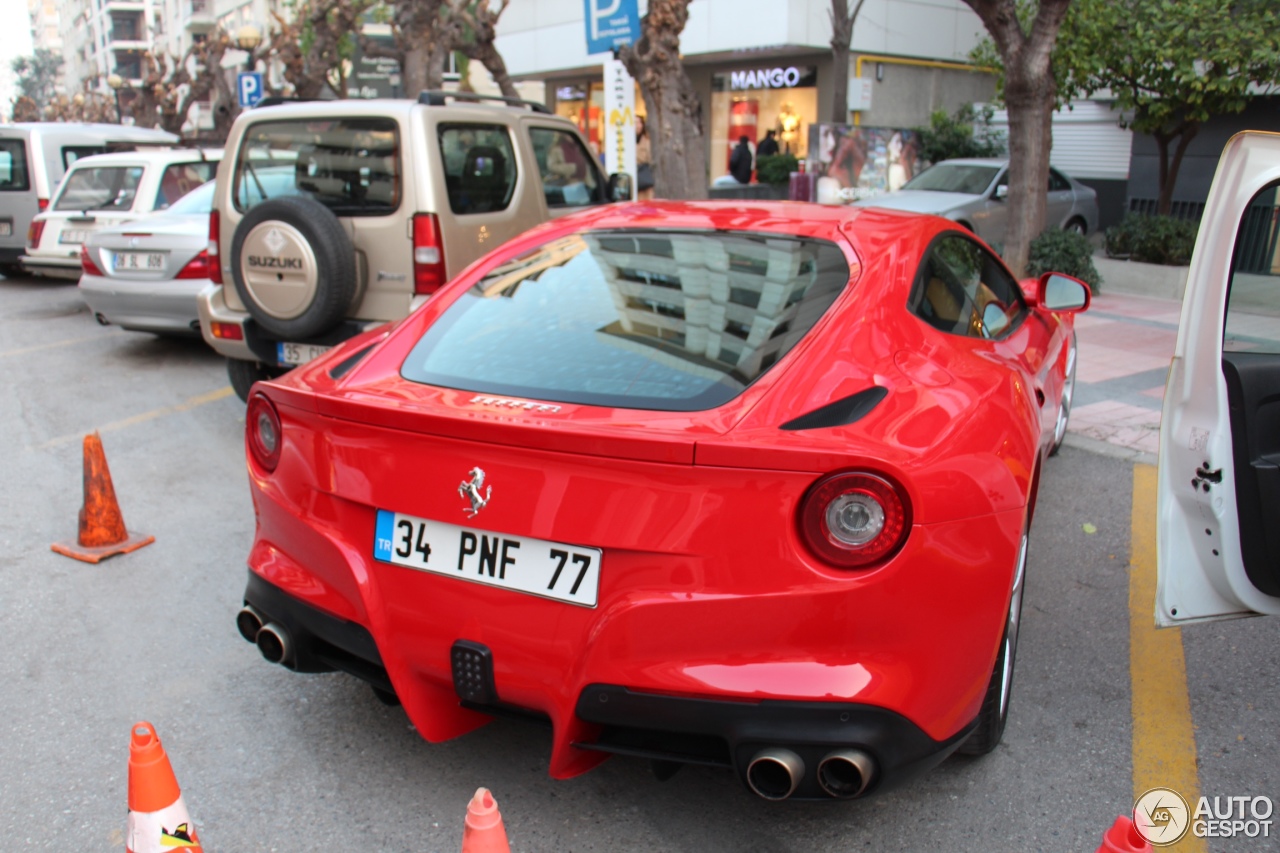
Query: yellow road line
{"points": [[66, 342], [186, 405], [1164, 742]]}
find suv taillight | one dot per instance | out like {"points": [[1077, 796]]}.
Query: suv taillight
{"points": [[212, 257], [262, 432], [854, 520], [87, 266], [33, 233], [428, 254]]}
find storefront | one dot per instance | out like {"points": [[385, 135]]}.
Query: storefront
{"points": [[750, 101], [582, 102]]}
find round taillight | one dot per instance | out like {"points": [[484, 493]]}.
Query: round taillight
{"points": [[262, 432], [854, 520]]}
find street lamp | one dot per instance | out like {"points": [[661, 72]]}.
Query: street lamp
{"points": [[115, 81], [248, 38]]}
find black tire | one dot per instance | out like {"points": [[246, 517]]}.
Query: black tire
{"points": [[995, 705], [1064, 405], [332, 283], [1076, 226], [244, 373]]}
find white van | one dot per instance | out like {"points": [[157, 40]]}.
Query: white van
{"points": [[33, 159]]}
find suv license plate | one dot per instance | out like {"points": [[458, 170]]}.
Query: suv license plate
{"points": [[568, 573], [296, 354], [139, 261]]}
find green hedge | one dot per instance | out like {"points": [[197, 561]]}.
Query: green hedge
{"points": [[776, 168], [1066, 252], [1152, 240]]}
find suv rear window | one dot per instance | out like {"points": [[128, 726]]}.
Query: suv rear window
{"points": [[351, 166], [99, 188], [13, 166], [668, 321]]}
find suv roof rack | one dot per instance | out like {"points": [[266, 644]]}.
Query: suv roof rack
{"points": [[436, 98]]}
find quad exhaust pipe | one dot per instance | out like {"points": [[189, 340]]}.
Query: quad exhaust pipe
{"points": [[271, 638], [845, 774], [775, 773]]}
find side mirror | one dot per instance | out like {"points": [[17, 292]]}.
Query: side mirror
{"points": [[1063, 294], [1002, 192], [620, 187]]}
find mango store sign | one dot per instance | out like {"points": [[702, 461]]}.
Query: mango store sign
{"points": [[791, 77], [611, 24]]}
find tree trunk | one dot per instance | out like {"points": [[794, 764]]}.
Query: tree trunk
{"points": [[842, 22], [1029, 93], [674, 110], [1169, 168], [474, 31]]}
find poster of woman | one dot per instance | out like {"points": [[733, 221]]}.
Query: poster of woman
{"points": [[866, 161]]}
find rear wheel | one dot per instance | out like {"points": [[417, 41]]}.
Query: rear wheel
{"points": [[1076, 226], [244, 373], [995, 706]]}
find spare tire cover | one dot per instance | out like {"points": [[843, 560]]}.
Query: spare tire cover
{"points": [[294, 267]]}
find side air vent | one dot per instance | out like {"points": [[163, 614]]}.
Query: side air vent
{"points": [[842, 412]]}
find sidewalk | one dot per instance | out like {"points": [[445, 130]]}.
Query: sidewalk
{"points": [[1125, 345]]}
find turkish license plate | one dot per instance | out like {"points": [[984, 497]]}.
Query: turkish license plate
{"points": [[73, 235], [568, 573], [139, 261], [6, 228], [296, 354]]}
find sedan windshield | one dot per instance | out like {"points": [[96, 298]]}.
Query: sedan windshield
{"points": [[670, 321], [954, 178]]}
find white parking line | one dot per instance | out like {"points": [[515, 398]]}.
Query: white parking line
{"points": [[186, 405]]}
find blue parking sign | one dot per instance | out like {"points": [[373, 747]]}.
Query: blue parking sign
{"points": [[610, 24], [250, 86]]}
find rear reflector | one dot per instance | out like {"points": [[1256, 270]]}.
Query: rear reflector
{"points": [[428, 254], [201, 266], [226, 331], [214, 259], [86, 263]]}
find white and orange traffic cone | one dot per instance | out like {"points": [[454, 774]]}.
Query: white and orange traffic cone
{"points": [[158, 819], [1123, 837], [484, 832], [102, 530]]}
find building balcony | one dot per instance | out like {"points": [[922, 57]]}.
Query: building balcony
{"points": [[200, 17]]}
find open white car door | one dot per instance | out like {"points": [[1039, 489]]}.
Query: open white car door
{"points": [[1219, 500]]}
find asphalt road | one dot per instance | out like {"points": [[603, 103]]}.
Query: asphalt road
{"points": [[271, 760]]}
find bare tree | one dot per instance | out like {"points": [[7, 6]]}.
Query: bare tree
{"points": [[842, 21], [1030, 94], [674, 109], [474, 34], [315, 46], [423, 41]]}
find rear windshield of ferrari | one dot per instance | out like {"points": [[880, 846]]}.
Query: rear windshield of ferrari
{"points": [[668, 321]]}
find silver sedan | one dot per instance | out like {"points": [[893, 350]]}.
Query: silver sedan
{"points": [[144, 275], [973, 193]]}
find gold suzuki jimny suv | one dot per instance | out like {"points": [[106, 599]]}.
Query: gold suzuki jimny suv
{"points": [[330, 217]]}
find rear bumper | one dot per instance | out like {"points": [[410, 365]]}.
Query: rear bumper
{"points": [[166, 307], [615, 719], [254, 344], [68, 268]]}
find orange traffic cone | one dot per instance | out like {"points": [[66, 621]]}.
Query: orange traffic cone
{"points": [[1123, 837], [102, 531], [484, 832], [158, 819]]}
